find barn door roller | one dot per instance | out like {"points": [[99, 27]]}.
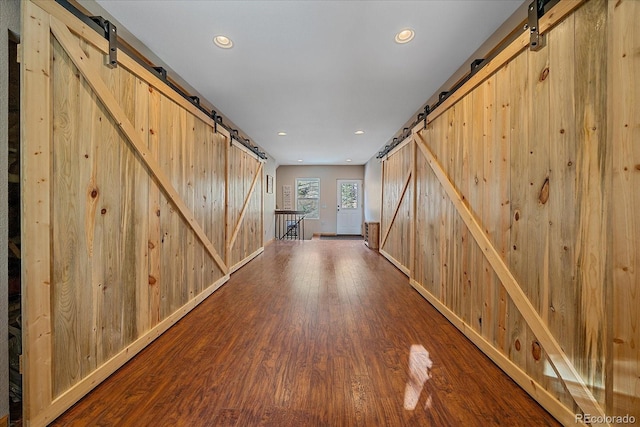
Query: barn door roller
{"points": [[111, 34], [536, 10]]}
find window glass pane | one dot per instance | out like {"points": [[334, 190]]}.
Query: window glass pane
{"points": [[349, 195], [308, 189], [308, 197], [310, 207]]}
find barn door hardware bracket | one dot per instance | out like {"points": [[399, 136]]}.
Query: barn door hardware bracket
{"points": [[476, 65], [234, 135], [217, 120], [162, 72], [427, 110], [111, 34], [535, 12], [422, 117]]}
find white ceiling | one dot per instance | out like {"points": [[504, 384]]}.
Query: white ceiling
{"points": [[317, 70]]}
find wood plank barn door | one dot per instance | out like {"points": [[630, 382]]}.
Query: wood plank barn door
{"points": [[397, 191], [517, 178], [245, 206], [125, 205]]}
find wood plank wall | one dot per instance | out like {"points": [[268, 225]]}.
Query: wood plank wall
{"points": [[545, 153], [132, 188]]}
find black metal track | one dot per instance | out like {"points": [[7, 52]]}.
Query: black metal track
{"points": [[542, 7], [95, 24]]}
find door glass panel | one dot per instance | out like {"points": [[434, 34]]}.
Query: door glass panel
{"points": [[349, 195]]}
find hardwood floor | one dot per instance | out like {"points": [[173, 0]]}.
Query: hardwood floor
{"points": [[312, 333]]}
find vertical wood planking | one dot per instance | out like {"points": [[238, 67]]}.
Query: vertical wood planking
{"points": [[435, 215], [624, 137], [167, 215], [201, 198], [227, 202], [110, 213], [69, 236], [219, 188], [95, 225], [189, 146], [489, 195], [181, 145], [412, 230], [562, 191], [36, 174], [458, 241], [534, 211], [467, 246], [593, 172], [127, 251], [476, 190], [141, 218], [447, 239], [501, 201], [516, 257], [420, 219], [155, 201]]}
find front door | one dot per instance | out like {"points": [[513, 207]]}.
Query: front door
{"points": [[349, 206]]}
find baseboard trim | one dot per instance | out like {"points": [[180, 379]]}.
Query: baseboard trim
{"points": [[395, 262], [75, 393], [534, 389], [242, 263]]}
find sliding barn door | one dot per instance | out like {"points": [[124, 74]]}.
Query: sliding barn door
{"points": [[526, 232], [245, 206], [397, 195], [124, 193]]}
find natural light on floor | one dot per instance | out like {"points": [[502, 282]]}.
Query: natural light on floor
{"points": [[419, 372]]}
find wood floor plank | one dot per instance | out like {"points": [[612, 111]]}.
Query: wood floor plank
{"points": [[311, 333]]}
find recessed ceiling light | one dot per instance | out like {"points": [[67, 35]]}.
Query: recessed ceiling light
{"points": [[223, 42], [300, 160], [405, 36], [348, 160], [359, 132], [282, 134]]}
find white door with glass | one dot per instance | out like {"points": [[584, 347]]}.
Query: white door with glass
{"points": [[349, 206]]}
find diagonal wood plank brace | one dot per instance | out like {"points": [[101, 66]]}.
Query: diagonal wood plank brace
{"points": [[236, 229], [561, 364], [67, 41], [396, 209]]}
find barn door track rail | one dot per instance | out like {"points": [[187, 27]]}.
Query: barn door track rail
{"points": [[531, 36], [109, 31]]}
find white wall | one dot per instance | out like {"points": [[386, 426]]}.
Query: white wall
{"points": [[9, 21], [286, 175], [269, 168], [373, 190]]}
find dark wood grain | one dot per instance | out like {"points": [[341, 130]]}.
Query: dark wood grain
{"points": [[310, 333]]}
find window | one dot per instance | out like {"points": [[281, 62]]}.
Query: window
{"points": [[349, 195], [308, 197]]}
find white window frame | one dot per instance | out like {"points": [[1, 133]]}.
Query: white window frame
{"points": [[310, 198]]}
